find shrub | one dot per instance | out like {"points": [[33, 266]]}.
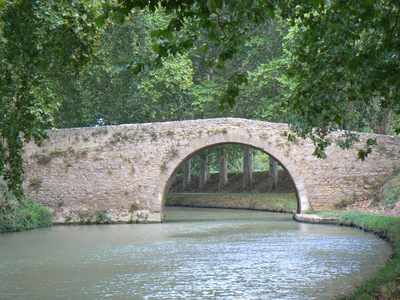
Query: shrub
{"points": [[85, 217], [102, 217], [24, 216], [21, 214]]}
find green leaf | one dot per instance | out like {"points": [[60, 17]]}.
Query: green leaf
{"points": [[101, 20], [214, 5], [371, 142]]}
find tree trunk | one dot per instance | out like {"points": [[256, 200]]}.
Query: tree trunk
{"points": [[203, 177], [247, 167], [383, 121], [223, 170], [273, 172], [187, 174]]}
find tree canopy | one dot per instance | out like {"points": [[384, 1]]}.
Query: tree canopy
{"points": [[40, 42], [341, 58], [319, 65]]}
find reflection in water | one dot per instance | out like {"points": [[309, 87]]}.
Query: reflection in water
{"points": [[197, 254]]}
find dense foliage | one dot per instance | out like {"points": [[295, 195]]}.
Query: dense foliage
{"points": [[40, 42], [22, 214], [341, 58], [319, 65], [184, 86]]}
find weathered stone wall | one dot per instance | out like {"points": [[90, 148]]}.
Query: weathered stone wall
{"points": [[125, 170]]}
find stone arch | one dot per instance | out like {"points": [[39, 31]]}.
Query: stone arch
{"points": [[285, 161]]}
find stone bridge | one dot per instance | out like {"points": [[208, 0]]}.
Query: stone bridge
{"points": [[124, 171]]}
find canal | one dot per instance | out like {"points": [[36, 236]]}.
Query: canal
{"points": [[197, 254]]}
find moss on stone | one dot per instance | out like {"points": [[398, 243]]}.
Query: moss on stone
{"points": [[170, 133], [163, 167], [154, 136], [42, 159], [35, 184], [81, 154], [58, 153], [99, 131], [172, 153]]}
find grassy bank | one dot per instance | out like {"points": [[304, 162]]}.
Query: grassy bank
{"points": [[276, 202], [26, 215], [21, 214], [386, 282]]}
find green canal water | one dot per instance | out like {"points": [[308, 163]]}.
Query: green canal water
{"points": [[196, 254]]}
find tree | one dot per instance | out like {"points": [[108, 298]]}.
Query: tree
{"points": [[166, 92], [223, 169], [108, 88], [344, 59], [247, 167], [203, 176], [273, 172], [341, 56], [187, 173], [337, 70], [39, 41]]}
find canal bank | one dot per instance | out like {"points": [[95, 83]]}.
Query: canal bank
{"points": [[272, 202]]}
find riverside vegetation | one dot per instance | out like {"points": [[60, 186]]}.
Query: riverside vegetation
{"points": [[21, 214]]}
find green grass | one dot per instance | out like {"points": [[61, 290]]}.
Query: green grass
{"points": [[25, 215], [21, 214], [386, 282]]}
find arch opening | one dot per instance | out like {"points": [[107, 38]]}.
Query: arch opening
{"points": [[237, 175]]}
